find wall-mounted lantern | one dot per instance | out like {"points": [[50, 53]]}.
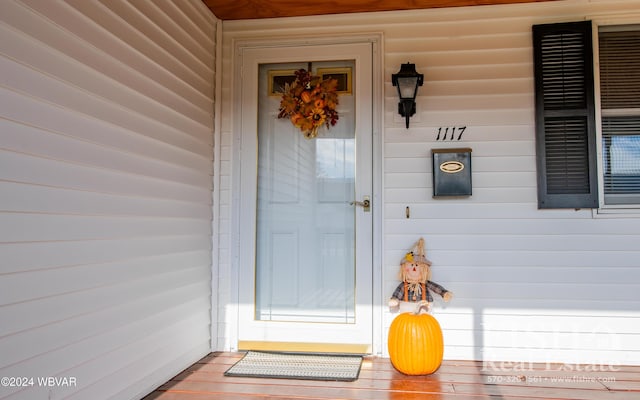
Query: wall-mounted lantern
{"points": [[407, 81]]}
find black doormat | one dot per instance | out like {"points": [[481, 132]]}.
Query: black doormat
{"points": [[319, 367]]}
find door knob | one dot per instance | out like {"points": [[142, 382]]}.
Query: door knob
{"points": [[365, 203]]}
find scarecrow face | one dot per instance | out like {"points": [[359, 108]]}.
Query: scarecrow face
{"points": [[413, 270]]}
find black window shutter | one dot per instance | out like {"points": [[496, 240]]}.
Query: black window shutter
{"points": [[565, 116]]}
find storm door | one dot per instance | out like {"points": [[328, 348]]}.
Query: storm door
{"points": [[306, 277]]}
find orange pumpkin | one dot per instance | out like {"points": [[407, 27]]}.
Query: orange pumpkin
{"points": [[415, 344], [306, 96]]}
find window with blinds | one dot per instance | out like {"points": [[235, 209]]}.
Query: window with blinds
{"points": [[619, 49]]}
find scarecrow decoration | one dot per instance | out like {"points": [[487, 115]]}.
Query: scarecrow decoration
{"points": [[416, 286]]}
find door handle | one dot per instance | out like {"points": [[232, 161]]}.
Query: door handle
{"points": [[365, 203]]}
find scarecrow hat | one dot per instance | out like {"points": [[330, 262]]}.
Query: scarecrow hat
{"points": [[417, 254]]}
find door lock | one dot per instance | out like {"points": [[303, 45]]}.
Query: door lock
{"points": [[365, 203]]}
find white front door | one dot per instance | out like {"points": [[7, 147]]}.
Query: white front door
{"points": [[305, 261]]}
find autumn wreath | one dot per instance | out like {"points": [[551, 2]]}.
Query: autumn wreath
{"points": [[309, 102]]}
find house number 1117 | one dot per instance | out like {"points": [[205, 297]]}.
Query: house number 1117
{"points": [[450, 133]]}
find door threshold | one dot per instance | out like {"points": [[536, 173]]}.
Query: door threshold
{"points": [[303, 347]]}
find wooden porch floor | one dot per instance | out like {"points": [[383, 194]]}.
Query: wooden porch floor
{"points": [[378, 380]]}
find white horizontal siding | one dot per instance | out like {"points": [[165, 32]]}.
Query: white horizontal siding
{"points": [[106, 147], [529, 284]]}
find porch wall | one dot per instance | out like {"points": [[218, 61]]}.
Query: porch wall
{"points": [[105, 194], [529, 284]]}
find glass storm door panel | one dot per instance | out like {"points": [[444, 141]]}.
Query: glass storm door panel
{"points": [[305, 242], [309, 278]]}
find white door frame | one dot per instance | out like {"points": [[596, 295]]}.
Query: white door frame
{"points": [[231, 313]]}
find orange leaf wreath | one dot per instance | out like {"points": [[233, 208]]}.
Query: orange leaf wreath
{"points": [[309, 102]]}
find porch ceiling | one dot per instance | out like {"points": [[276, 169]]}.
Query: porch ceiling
{"points": [[255, 9]]}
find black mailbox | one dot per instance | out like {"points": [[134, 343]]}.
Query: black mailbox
{"points": [[451, 172]]}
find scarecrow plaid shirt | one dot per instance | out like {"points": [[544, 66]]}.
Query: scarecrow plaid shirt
{"points": [[414, 296]]}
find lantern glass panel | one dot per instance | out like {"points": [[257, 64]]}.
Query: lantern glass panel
{"points": [[407, 87]]}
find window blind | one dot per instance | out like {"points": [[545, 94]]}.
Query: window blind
{"points": [[620, 70], [620, 98]]}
